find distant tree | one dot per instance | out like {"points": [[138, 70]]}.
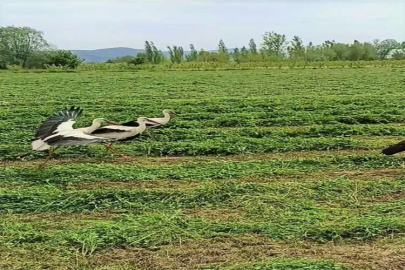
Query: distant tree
{"points": [[244, 51], [63, 58], [17, 44], [328, 44], [296, 48], [123, 59], [140, 59], [341, 50], [221, 47], [398, 55], [252, 46], [158, 57], [149, 51], [370, 52], [39, 59], [384, 47], [153, 55], [202, 52], [236, 55], [274, 44], [356, 51], [176, 54], [5, 56], [192, 56]]}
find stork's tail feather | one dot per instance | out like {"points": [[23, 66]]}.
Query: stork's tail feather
{"points": [[39, 145], [393, 149]]}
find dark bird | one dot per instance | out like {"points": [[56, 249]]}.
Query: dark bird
{"points": [[393, 149]]}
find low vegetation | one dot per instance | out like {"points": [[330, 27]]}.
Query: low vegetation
{"points": [[261, 169]]}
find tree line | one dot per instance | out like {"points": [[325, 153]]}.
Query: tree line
{"points": [[275, 47], [26, 47]]}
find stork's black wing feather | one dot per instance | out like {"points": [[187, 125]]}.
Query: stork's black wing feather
{"points": [[132, 123], [51, 124], [107, 130], [130, 138], [61, 140], [395, 148]]}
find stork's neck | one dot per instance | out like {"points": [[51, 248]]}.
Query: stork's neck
{"points": [[141, 127], [92, 128], [167, 116]]}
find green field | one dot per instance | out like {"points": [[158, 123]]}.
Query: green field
{"points": [[261, 169]]}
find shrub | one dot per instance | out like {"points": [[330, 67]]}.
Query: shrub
{"points": [[65, 59]]}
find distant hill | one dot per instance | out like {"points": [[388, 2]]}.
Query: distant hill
{"points": [[102, 55]]}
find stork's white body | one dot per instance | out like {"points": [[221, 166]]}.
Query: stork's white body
{"points": [[58, 130], [161, 121], [118, 132]]}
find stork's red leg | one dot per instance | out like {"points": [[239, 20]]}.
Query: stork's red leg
{"points": [[49, 156], [109, 147]]}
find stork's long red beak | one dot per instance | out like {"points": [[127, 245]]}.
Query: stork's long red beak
{"points": [[149, 120], [112, 122]]}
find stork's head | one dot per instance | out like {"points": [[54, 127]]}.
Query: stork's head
{"points": [[103, 122], [170, 112]]}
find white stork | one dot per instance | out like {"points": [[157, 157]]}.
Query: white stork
{"points": [[153, 122], [58, 131], [122, 132]]}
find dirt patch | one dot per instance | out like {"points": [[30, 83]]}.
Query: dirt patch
{"points": [[140, 160], [227, 251], [74, 219]]}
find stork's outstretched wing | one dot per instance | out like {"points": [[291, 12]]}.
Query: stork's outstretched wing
{"points": [[62, 120], [134, 123], [131, 123], [74, 138]]}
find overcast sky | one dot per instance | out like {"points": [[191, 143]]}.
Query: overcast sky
{"points": [[91, 24]]}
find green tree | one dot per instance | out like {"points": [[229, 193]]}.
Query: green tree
{"points": [[158, 57], [370, 52], [192, 56], [274, 44], [384, 47], [140, 59], [252, 46], [149, 51], [221, 47], [19, 43], [398, 55], [176, 54], [236, 55], [296, 49], [341, 50], [63, 58], [356, 51], [153, 55]]}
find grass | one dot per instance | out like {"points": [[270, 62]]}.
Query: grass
{"points": [[262, 169]]}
